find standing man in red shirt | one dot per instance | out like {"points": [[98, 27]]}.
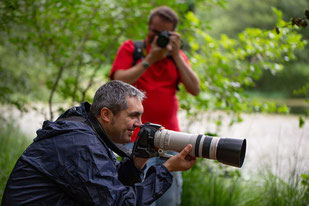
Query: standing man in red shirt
{"points": [[158, 73]]}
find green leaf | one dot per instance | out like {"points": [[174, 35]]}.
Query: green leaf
{"points": [[301, 122]]}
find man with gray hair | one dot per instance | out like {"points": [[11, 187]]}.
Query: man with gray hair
{"points": [[72, 161]]}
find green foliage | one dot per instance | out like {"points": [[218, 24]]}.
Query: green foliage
{"points": [[75, 38], [304, 91], [227, 66], [20, 76], [292, 78], [12, 144], [211, 183], [237, 15], [274, 191], [78, 41]]}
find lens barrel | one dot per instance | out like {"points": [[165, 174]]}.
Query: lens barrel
{"points": [[230, 151]]}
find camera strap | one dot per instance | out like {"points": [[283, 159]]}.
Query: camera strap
{"points": [[140, 51], [119, 149]]}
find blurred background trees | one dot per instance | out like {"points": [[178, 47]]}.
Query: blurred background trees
{"points": [[60, 51]]}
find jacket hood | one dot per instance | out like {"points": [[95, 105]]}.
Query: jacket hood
{"points": [[60, 126]]}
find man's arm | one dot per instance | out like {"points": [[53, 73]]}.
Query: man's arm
{"points": [[188, 77], [180, 162], [131, 75], [159, 178]]}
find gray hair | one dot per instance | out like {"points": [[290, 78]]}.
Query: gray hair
{"points": [[112, 95]]}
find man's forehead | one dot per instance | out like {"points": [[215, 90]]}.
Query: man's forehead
{"points": [[134, 104], [158, 23]]}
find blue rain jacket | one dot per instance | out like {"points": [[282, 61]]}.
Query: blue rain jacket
{"points": [[69, 164]]}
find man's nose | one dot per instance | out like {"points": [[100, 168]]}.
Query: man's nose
{"points": [[138, 122]]}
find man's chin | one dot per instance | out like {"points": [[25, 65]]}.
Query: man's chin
{"points": [[128, 138]]}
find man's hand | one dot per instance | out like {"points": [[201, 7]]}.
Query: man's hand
{"points": [[156, 53], [182, 161], [174, 44]]}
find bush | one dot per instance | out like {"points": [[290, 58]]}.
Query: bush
{"points": [[293, 77]]}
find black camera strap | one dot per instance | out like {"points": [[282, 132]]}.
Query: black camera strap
{"points": [[119, 149], [140, 51]]}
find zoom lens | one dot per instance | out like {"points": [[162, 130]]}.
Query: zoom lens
{"points": [[230, 151]]}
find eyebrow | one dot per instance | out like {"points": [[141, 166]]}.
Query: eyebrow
{"points": [[135, 113]]}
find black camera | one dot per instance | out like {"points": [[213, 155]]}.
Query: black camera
{"points": [[163, 39]]}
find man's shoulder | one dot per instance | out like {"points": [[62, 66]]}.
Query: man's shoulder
{"points": [[128, 44], [79, 142]]}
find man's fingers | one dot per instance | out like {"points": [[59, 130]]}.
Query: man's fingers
{"points": [[186, 151], [175, 34], [169, 47]]}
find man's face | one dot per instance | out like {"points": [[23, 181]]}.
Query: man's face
{"points": [[123, 124], [157, 25]]}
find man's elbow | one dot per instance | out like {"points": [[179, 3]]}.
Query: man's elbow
{"points": [[121, 76], [195, 91]]}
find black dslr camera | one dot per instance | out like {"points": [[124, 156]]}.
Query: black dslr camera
{"points": [[163, 39]]}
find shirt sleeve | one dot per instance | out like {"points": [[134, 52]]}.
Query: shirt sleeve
{"points": [[124, 57]]}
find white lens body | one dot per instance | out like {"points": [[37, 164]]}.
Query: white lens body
{"points": [[175, 141]]}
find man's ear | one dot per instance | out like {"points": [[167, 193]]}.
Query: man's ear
{"points": [[106, 114]]}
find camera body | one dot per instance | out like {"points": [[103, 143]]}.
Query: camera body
{"points": [[154, 141], [163, 39]]}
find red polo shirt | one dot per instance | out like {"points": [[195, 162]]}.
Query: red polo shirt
{"points": [[159, 82]]}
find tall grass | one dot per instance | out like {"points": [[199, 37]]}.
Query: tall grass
{"points": [[269, 189], [12, 144], [210, 184]]}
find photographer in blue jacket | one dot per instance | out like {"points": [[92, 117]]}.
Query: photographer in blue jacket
{"points": [[72, 160]]}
